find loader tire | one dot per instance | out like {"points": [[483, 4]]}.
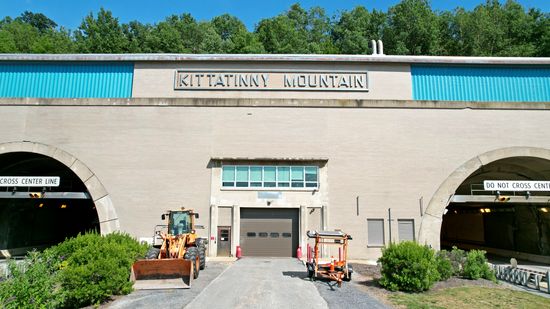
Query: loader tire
{"points": [[202, 257], [192, 254], [152, 253], [202, 252]]}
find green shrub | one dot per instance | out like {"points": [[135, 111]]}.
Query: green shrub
{"points": [[457, 258], [476, 266], [444, 265], [32, 283], [94, 267], [408, 266], [81, 271]]}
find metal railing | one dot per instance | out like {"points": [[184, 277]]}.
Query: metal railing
{"points": [[528, 278]]}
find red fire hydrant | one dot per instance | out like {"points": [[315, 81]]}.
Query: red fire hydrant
{"points": [[239, 253]]}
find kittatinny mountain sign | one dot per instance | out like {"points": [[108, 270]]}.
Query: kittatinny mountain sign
{"points": [[271, 81]]}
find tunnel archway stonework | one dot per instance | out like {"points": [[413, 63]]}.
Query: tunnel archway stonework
{"points": [[108, 219], [430, 227]]}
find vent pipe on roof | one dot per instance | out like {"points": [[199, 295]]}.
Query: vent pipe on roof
{"points": [[373, 44], [377, 47], [380, 47]]}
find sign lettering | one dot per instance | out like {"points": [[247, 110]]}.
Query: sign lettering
{"points": [[516, 185], [29, 181], [289, 81]]}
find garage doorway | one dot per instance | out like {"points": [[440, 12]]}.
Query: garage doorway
{"points": [[269, 232]]}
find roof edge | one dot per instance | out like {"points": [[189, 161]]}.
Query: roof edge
{"points": [[277, 58]]}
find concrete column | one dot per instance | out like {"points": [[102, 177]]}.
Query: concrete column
{"points": [[236, 229], [213, 244], [303, 227]]}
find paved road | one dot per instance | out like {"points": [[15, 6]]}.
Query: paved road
{"points": [[176, 298], [261, 283], [253, 283]]}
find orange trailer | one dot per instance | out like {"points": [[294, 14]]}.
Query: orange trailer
{"points": [[333, 269]]}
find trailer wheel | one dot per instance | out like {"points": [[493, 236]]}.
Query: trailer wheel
{"points": [[192, 254], [348, 277], [152, 253]]}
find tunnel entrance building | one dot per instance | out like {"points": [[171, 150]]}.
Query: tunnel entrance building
{"points": [[42, 202], [509, 219]]}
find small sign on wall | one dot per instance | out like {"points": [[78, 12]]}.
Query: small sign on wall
{"points": [[29, 181], [270, 195], [516, 185]]}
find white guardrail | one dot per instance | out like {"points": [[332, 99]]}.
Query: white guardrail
{"points": [[528, 278]]}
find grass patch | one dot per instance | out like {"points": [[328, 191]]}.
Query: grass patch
{"points": [[471, 297]]}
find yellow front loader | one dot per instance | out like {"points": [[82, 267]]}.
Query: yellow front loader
{"points": [[179, 258]]}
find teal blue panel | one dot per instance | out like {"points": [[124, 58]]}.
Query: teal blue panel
{"points": [[477, 83], [66, 79]]}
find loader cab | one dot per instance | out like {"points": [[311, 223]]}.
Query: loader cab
{"points": [[180, 222]]}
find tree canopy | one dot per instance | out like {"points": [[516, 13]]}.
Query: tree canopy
{"points": [[411, 27]]}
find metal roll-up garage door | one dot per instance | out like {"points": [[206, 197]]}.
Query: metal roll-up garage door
{"points": [[269, 232]]}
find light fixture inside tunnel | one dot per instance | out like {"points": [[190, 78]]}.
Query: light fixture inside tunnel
{"points": [[63, 206], [544, 209]]}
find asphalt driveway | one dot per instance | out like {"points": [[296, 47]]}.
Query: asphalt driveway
{"points": [[261, 283], [253, 283]]}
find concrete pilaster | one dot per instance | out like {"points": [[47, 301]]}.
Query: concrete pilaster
{"points": [[236, 229], [213, 242], [303, 227]]}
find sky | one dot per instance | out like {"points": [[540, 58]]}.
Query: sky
{"points": [[69, 13]]}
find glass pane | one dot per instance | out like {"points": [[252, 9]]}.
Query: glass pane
{"points": [[297, 173], [311, 173], [287, 235], [250, 234], [283, 173], [274, 235], [228, 173], [269, 184], [256, 173], [255, 184], [269, 174], [262, 234], [242, 173], [311, 184], [284, 184], [297, 184]]}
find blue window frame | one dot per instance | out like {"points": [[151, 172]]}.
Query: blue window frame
{"points": [[255, 176]]}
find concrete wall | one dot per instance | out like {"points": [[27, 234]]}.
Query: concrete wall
{"points": [[151, 156]]}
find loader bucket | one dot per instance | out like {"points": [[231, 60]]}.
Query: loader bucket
{"points": [[161, 274]]}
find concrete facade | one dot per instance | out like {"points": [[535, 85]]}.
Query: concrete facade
{"points": [[157, 156], [377, 149]]}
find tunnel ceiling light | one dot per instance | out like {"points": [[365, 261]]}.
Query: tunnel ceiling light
{"points": [[487, 210], [544, 209], [482, 210], [63, 206], [40, 205]]}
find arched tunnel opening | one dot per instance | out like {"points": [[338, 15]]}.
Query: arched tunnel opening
{"points": [[42, 202], [512, 221]]}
